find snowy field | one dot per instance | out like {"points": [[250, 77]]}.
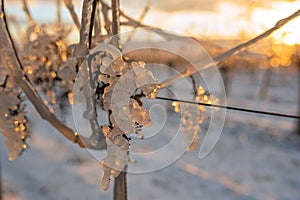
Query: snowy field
{"points": [[256, 158]]}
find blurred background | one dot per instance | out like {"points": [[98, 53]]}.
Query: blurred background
{"points": [[257, 156]]}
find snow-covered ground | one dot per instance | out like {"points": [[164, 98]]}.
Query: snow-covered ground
{"points": [[256, 158]]}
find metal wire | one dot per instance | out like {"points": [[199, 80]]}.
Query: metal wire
{"points": [[232, 108]]}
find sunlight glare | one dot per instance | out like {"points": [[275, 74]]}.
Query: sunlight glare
{"points": [[264, 19]]}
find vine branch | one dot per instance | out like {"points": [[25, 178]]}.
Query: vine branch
{"points": [[120, 185], [17, 73], [233, 51], [97, 24], [115, 26], [28, 14], [255, 40], [97, 139], [135, 23], [58, 12], [70, 6], [143, 15]]}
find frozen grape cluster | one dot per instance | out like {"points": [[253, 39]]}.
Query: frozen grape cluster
{"points": [[193, 116], [124, 82], [47, 62], [13, 121]]}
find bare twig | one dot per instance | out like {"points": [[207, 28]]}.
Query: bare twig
{"points": [[145, 11], [115, 26], [218, 59], [70, 6], [258, 38], [115, 4], [136, 23], [28, 14], [16, 23], [58, 7], [97, 24], [105, 8], [158, 31], [17, 73]]}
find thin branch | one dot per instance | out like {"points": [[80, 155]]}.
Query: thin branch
{"points": [[97, 24], [28, 14], [105, 8], [16, 23], [58, 11], [143, 15], [115, 26], [115, 4], [258, 38], [92, 22], [70, 6], [145, 11], [218, 59], [135, 23], [17, 73]]}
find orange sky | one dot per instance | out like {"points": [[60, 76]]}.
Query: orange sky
{"points": [[227, 19], [217, 18]]}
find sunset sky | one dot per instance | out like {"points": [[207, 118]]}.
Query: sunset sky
{"points": [[218, 18], [226, 19]]}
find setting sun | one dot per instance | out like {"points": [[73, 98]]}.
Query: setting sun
{"points": [[264, 19]]}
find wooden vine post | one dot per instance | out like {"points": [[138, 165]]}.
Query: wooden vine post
{"points": [[298, 126], [120, 187], [298, 100], [1, 190]]}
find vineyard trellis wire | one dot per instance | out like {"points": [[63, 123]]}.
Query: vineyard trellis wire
{"points": [[81, 50], [231, 108]]}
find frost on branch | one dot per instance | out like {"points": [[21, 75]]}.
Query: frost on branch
{"points": [[121, 79], [193, 116], [13, 122]]}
